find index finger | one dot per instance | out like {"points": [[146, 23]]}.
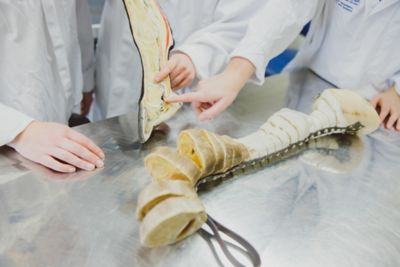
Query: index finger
{"points": [[85, 142], [185, 98]]}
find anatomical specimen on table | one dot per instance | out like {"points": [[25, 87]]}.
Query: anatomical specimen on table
{"points": [[169, 208], [152, 36]]}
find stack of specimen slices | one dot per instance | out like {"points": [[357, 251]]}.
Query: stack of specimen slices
{"points": [[169, 208]]}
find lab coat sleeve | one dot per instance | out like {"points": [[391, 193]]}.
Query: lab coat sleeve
{"points": [[210, 47], [86, 41], [13, 121], [272, 30], [395, 81]]}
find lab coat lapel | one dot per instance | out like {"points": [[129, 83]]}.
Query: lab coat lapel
{"points": [[382, 5]]}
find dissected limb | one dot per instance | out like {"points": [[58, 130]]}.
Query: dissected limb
{"points": [[170, 212], [153, 38]]}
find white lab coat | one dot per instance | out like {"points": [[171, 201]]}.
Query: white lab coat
{"points": [[46, 61], [206, 30], [351, 44]]}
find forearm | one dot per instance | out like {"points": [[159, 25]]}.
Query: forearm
{"points": [[273, 30], [210, 47], [240, 70]]}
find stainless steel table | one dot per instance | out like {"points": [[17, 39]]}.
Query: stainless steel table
{"points": [[337, 204]]}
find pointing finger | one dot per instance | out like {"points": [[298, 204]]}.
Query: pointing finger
{"points": [[185, 98]]}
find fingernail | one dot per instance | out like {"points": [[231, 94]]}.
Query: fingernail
{"points": [[102, 156], [72, 169], [89, 167], [99, 164]]}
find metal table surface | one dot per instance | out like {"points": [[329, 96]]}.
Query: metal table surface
{"points": [[337, 204]]}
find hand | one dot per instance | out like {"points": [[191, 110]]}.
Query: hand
{"points": [[86, 103], [180, 69], [389, 108], [58, 147], [216, 94], [212, 96]]}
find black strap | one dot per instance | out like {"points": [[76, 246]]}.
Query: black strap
{"points": [[243, 246]]}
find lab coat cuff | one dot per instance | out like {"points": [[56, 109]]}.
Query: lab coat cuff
{"points": [[397, 88], [395, 82], [369, 91], [16, 123], [247, 51], [88, 80]]}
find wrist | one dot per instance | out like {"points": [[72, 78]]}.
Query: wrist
{"points": [[239, 71], [242, 67], [19, 136]]}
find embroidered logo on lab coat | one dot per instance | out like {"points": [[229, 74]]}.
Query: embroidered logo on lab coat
{"points": [[348, 5]]}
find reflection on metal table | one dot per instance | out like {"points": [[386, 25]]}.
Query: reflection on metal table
{"points": [[336, 204]]}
